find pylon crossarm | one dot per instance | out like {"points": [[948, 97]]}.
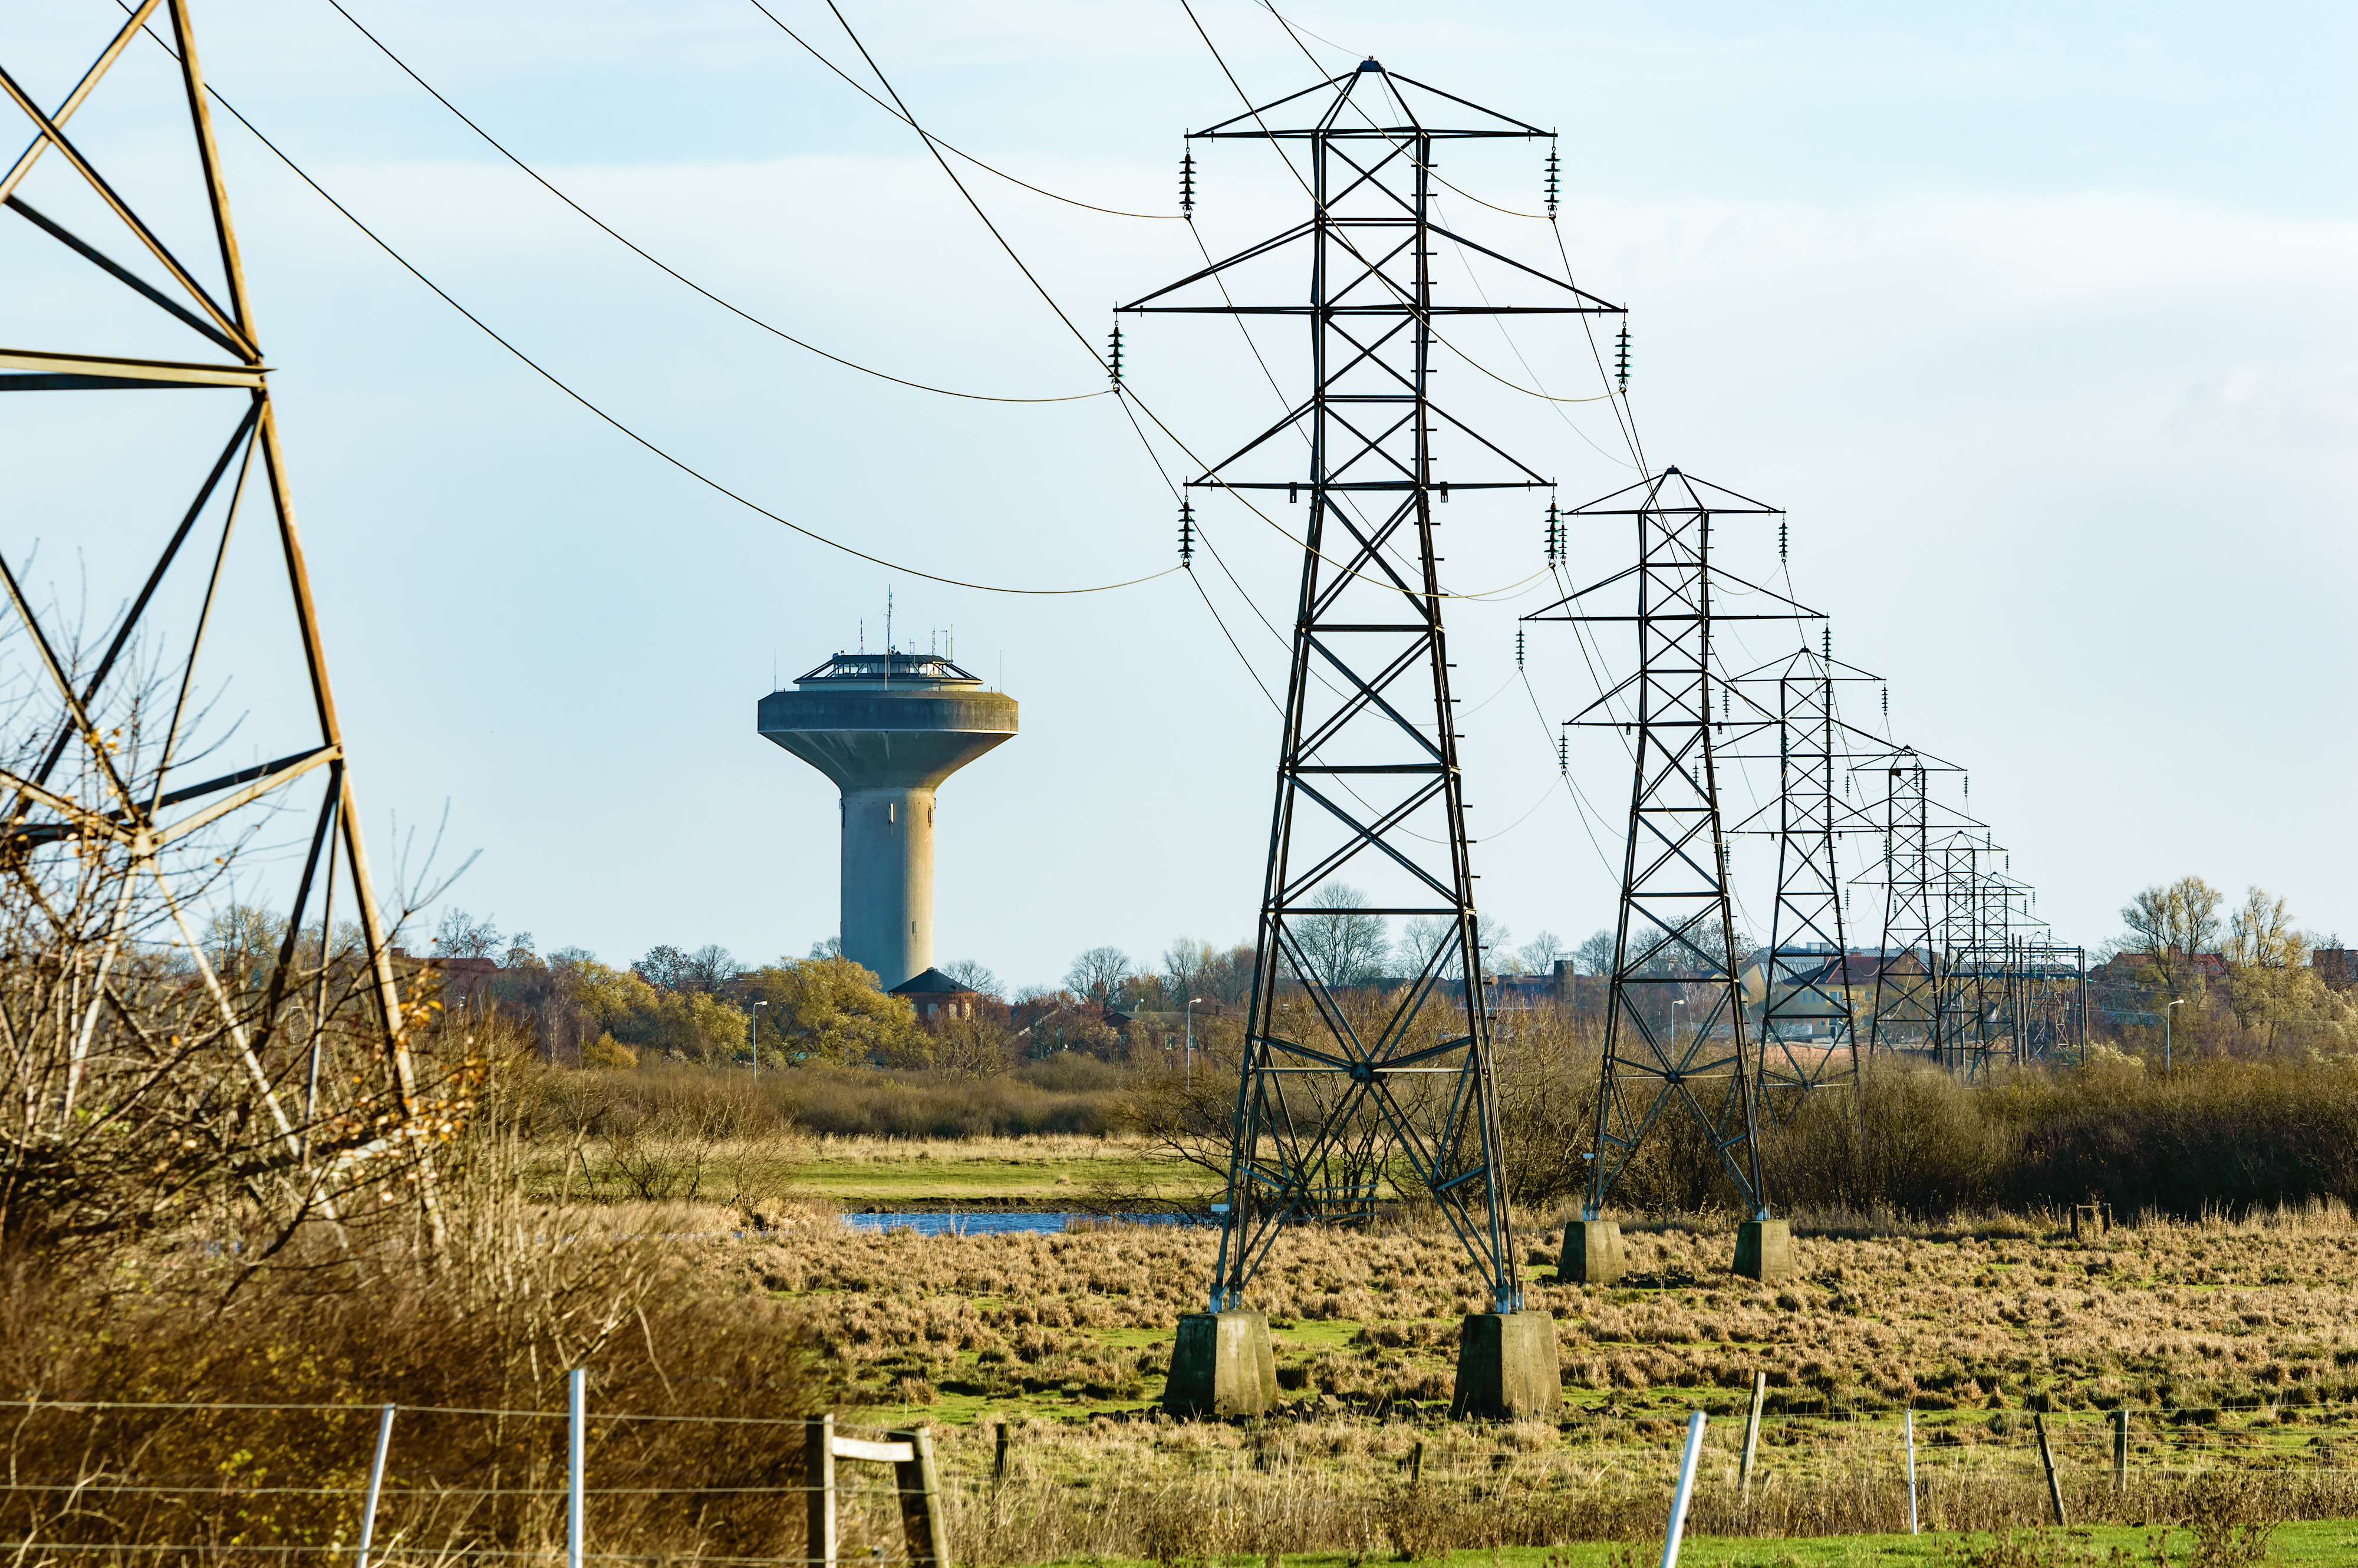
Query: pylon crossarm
{"points": [[1138, 306]]}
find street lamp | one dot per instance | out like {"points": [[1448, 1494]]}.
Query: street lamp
{"points": [[756, 1042], [1676, 1001], [1187, 1057], [2165, 1033]]}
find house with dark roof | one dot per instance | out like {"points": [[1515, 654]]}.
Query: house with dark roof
{"points": [[936, 995]]}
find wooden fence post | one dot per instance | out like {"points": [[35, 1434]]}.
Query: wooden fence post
{"points": [[921, 1518], [2047, 1457], [2121, 1451]]}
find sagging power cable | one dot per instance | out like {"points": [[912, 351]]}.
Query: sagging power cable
{"points": [[900, 116], [661, 265], [555, 381]]}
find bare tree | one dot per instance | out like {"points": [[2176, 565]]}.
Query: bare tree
{"points": [[1099, 972], [176, 1052], [1594, 956], [1185, 965], [461, 936], [1539, 953], [973, 976], [711, 964], [1419, 937], [1346, 947]]}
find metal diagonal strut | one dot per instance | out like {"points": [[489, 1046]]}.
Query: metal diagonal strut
{"points": [[1350, 1092], [97, 781]]}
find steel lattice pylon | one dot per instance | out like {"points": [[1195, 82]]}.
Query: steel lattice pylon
{"points": [[1809, 1031], [153, 805], [1907, 989], [1368, 780], [1674, 946]]}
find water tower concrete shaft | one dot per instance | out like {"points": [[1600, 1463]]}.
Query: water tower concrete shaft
{"points": [[888, 729]]}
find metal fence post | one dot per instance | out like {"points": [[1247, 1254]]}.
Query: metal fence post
{"points": [[818, 1479], [1687, 1490], [1752, 1431], [1910, 1424], [576, 1432], [375, 1485]]}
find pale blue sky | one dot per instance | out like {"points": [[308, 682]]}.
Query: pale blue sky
{"points": [[2041, 328]]}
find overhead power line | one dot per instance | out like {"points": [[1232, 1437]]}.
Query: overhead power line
{"points": [[661, 265], [561, 385], [901, 116]]}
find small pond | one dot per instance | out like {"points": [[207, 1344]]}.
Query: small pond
{"points": [[989, 1222]]}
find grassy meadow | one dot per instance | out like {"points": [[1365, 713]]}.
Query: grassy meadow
{"points": [[2234, 1344], [691, 1250]]}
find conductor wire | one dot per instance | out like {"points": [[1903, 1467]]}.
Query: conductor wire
{"points": [[860, 88], [664, 267], [553, 380]]}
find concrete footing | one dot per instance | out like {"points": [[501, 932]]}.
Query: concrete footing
{"points": [[1507, 1367], [1764, 1250], [1592, 1253], [1221, 1364]]}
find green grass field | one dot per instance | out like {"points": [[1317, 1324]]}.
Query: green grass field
{"points": [[2319, 1541]]}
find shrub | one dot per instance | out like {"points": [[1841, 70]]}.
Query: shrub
{"points": [[608, 1052]]}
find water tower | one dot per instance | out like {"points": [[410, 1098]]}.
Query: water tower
{"points": [[888, 729]]}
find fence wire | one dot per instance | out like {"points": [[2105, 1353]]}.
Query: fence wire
{"points": [[1142, 1487]]}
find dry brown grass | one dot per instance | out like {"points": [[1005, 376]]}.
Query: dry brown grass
{"points": [[2228, 1315], [2237, 1342]]}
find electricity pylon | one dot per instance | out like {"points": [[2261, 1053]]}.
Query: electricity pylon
{"points": [[1368, 779], [112, 779], [1908, 1015], [1809, 1028], [1674, 1031]]}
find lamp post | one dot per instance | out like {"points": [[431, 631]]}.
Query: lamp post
{"points": [[1187, 1056], [1676, 1001], [755, 1044], [2165, 1033]]}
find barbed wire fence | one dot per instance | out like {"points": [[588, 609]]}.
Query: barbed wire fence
{"points": [[393, 1486]]}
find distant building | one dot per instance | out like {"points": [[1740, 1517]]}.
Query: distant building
{"points": [[937, 996]]}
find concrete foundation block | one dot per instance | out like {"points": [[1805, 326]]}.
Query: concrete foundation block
{"points": [[1222, 1364], [1507, 1367], [1764, 1250], [1592, 1253]]}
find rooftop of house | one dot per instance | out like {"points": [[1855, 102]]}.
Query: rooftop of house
{"points": [[932, 982]]}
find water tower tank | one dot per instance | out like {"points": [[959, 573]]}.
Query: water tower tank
{"points": [[888, 729]]}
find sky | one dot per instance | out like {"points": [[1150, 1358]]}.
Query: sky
{"points": [[2038, 324]]}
